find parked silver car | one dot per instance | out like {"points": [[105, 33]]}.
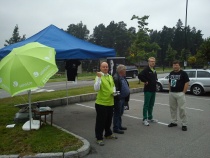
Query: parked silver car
{"points": [[199, 81]]}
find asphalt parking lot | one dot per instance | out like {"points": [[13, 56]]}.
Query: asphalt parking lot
{"points": [[155, 141]]}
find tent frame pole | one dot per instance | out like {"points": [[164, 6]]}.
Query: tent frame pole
{"points": [[67, 100]]}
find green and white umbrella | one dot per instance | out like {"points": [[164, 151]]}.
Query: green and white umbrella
{"points": [[26, 68]]}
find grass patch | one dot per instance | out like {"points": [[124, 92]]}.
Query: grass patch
{"points": [[45, 140]]}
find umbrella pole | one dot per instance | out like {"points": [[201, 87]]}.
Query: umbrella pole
{"points": [[66, 89], [29, 102]]}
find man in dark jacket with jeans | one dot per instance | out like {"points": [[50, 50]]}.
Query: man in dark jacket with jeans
{"points": [[149, 77]]}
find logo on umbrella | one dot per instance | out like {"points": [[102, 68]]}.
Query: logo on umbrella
{"points": [[36, 74], [27, 84], [44, 69], [46, 58], [15, 84]]}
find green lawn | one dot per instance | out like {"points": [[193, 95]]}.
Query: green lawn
{"points": [[45, 140]]}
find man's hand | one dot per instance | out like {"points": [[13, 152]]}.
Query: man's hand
{"points": [[185, 87], [99, 74]]}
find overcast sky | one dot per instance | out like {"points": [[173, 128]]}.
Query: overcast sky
{"points": [[32, 16]]}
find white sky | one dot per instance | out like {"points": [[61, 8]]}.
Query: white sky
{"points": [[32, 16]]}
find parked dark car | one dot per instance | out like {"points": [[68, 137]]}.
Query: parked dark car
{"points": [[131, 71]]}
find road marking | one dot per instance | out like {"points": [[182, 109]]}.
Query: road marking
{"points": [[166, 124], [138, 118], [194, 109], [85, 106], [134, 117], [189, 96], [198, 97], [50, 90], [37, 90], [167, 105]]}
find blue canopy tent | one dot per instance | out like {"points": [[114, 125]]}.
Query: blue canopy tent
{"points": [[66, 45]]}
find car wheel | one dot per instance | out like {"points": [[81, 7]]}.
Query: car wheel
{"points": [[197, 90], [159, 87]]}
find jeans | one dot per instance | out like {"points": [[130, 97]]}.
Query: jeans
{"points": [[118, 112]]}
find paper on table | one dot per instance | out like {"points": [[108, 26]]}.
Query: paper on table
{"points": [[10, 126]]}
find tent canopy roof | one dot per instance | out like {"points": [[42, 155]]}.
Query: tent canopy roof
{"points": [[66, 45]]}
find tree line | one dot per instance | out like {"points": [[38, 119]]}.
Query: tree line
{"points": [[178, 42]]}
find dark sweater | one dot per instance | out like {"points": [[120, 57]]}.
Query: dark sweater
{"points": [[147, 75]]}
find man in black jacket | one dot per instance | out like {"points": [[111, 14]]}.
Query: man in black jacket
{"points": [[149, 77], [120, 100]]}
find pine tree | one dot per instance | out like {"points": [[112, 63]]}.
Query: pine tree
{"points": [[15, 37]]}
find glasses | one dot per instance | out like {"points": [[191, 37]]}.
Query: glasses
{"points": [[151, 61]]}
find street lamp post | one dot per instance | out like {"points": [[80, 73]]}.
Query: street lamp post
{"points": [[185, 53]]}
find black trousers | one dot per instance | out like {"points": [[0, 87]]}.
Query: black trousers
{"points": [[104, 116]]}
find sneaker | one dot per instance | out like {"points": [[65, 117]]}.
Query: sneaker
{"points": [[153, 120], [111, 137], [100, 142], [184, 128], [172, 125], [146, 123]]}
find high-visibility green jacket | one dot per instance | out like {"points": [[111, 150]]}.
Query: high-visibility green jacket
{"points": [[105, 94]]}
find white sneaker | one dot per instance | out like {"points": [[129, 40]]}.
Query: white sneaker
{"points": [[153, 120], [146, 123]]}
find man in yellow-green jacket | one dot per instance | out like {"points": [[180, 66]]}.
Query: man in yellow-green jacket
{"points": [[104, 104]]}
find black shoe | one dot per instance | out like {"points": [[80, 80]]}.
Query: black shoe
{"points": [[119, 131], [172, 125], [123, 128], [184, 128]]}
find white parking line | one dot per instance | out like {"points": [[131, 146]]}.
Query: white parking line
{"points": [[138, 118], [194, 109], [134, 117], [168, 105], [37, 90], [190, 96], [85, 106], [198, 97]]}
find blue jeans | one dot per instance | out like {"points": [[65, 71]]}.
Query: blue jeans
{"points": [[118, 112]]}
